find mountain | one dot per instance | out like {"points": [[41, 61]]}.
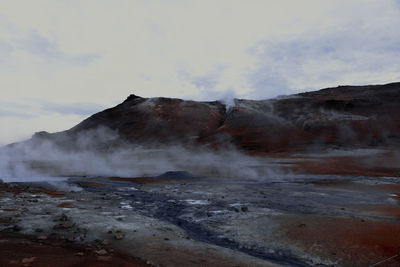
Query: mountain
{"points": [[344, 116]]}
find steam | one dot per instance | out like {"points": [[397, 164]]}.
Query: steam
{"points": [[102, 152], [228, 99]]}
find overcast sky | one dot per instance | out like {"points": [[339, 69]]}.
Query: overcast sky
{"points": [[61, 61]]}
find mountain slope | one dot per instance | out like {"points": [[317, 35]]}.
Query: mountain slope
{"points": [[344, 116]]}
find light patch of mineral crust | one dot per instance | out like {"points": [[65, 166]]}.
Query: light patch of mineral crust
{"points": [[101, 217]]}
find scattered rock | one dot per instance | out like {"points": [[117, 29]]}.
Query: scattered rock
{"points": [[233, 209], [101, 252], [42, 237], [16, 228], [119, 237], [63, 218]]}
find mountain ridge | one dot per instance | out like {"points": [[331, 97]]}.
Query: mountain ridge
{"points": [[343, 116]]}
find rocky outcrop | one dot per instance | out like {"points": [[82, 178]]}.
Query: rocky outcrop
{"points": [[344, 116]]}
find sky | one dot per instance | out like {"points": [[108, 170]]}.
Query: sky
{"points": [[61, 61]]}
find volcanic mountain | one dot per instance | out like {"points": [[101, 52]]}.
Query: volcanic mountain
{"points": [[344, 116]]}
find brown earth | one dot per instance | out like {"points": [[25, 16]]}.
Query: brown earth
{"points": [[20, 250], [346, 242]]}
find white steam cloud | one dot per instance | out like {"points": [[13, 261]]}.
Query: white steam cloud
{"points": [[101, 152]]}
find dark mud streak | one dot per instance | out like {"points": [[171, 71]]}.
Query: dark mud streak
{"points": [[170, 212]]}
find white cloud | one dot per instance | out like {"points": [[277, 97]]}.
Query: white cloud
{"points": [[101, 51]]}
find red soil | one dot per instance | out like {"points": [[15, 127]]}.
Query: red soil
{"points": [[17, 191], [66, 205], [374, 167], [18, 250], [387, 210], [349, 242]]}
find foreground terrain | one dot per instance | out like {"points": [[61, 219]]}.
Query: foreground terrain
{"points": [[286, 219]]}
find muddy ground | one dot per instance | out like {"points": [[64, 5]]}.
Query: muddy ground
{"points": [[305, 217]]}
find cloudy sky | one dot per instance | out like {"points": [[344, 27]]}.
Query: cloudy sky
{"points": [[61, 61]]}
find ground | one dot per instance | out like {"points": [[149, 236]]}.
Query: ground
{"points": [[302, 214]]}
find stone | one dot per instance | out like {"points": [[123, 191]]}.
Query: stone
{"points": [[28, 260], [16, 228], [64, 217], [119, 237], [101, 252], [42, 237]]}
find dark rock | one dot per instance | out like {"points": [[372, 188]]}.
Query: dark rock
{"points": [[233, 209], [244, 209], [63, 218], [119, 237], [16, 228]]}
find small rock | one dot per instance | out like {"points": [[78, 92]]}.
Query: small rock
{"points": [[166, 238], [79, 254], [42, 237], [38, 230], [106, 243], [64, 225], [101, 252], [28, 260], [71, 239], [16, 228], [233, 209], [64, 217], [119, 237], [244, 209]]}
